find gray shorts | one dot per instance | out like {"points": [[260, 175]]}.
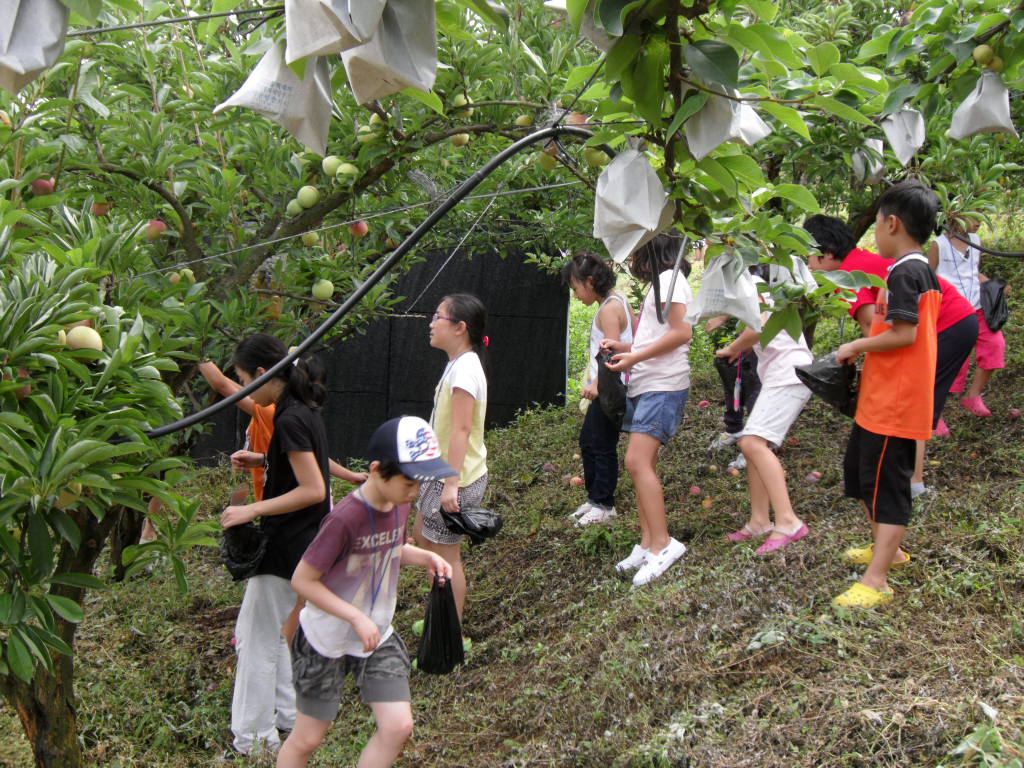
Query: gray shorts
{"points": [[318, 680], [429, 506]]}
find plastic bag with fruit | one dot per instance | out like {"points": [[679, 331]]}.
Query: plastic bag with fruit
{"points": [[440, 648], [402, 52], [302, 106], [985, 110], [31, 40], [832, 381]]}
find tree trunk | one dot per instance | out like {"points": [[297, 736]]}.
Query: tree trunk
{"points": [[46, 705]]}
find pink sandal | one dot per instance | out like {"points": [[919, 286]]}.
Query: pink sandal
{"points": [[746, 533], [787, 538], [976, 406]]}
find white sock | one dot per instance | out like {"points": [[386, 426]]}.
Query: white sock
{"points": [[916, 489]]}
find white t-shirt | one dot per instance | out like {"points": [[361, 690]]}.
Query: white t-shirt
{"points": [[961, 269], [776, 361], [467, 373], [669, 372], [596, 335]]}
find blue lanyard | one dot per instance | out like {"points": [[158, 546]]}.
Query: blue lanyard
{"points": [[377, 581]]}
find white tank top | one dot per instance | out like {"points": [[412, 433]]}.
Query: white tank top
{"points": [[596, 335], [961, 269]]}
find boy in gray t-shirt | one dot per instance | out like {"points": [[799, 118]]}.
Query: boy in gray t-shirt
{"points": [[349, 578]]}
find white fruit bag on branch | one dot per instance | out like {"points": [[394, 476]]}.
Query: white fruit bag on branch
{"points": [[588, 27], [630, 204], [727, 288], [355, 20], [723, 119], [985, 110], [31, 39], [301, 107], [868, 166], [322, 27], [402, 53], [905, 132]]}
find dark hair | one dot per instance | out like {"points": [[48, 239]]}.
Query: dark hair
{"points": [[914, 204], [832, 235], [467, 308], [589, 265], [650, 260], [388, 468], [304, 381]]}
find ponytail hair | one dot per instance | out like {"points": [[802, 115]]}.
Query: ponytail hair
{"points": [[467, 308], [586, 265], [304, 381], [651, 259]]}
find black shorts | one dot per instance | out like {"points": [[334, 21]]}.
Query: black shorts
{"points": [[954, 347], [877, 470]]}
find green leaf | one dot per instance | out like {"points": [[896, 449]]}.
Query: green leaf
{"points": [[763, 9], [799, 195], [853, 75], [66, 608], [719, 173], [839, 109], [39, 543], [822, 57], [611, 14], [622, 55], [428, 98], [744, 168], [576, 10], [787, 116], [495, 13], [645, 84], [690, 106], [781, 48], [87, 9], [19, 658], [82, 580], [580, 75], [876, 46], [713, 62]]}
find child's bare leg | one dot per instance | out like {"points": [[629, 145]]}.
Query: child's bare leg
{"points": [[642, 465], [981, 377], [769, 469], [918, 476], [899, 556], [887, 547], [760, 508], [302, 742], [394, 727]]}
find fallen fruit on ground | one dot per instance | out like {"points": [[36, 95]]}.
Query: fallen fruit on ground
{"points": [[703, 404], [695, 490], [576, 481], [84, 337], [1014, 413], [813, 477]]}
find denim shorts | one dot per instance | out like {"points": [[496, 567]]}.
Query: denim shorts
{"points": [[655, 413]]}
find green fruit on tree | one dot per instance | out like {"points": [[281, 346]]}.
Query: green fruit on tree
{"points": [[346, 172], [323, 290], [174, 277], [460, 101], [309, 239], [330, 164], [595, 156], [294, 208], [366, 135], [460, 139], [84, 337], [983, 54], [62, 337], [188, 276], [376, 119], [524, 121], [996, 65], [307, 196], [546, 161]]}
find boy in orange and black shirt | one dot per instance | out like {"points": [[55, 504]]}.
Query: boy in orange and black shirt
{"points": [[894, 407]]}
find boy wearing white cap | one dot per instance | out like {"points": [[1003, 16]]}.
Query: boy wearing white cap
{"points": [[349, 578]]}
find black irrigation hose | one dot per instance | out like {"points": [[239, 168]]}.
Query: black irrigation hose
{"points": [[386, 266], [986, 249]]}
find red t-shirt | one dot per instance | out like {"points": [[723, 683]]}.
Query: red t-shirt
{"points": [[954, 307]]}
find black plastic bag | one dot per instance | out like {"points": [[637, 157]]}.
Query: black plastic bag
{"points": [[242, 548], [611, 391], [833, 382], [476, 522], [993, 303], [440, 648]]}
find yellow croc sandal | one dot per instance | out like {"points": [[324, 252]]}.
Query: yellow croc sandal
{"points": [[863, 555], [862, 596]]}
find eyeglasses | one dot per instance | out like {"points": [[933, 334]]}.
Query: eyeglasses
{"points": [[436, 316]]}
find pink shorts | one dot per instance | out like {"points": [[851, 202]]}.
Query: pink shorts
{"points": [[990, 352]]}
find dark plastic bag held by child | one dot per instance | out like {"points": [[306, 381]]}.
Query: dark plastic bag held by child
{"points": [[441, 644], [242, 548], [611, 391], [833, 382], [993, 303], [476, 522]]}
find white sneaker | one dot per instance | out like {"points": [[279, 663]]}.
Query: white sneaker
{"points": [[635, 559], [657, 563], [724, 440], [740, 463], [581, 510], [597, 515]]}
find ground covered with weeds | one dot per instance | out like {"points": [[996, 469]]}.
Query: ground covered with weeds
{"points": [[730, 659]]}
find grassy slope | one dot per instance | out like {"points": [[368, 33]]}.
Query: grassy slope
{"points": [[729, 660]]}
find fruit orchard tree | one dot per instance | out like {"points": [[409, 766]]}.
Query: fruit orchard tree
{"points": [[127, 202]]}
